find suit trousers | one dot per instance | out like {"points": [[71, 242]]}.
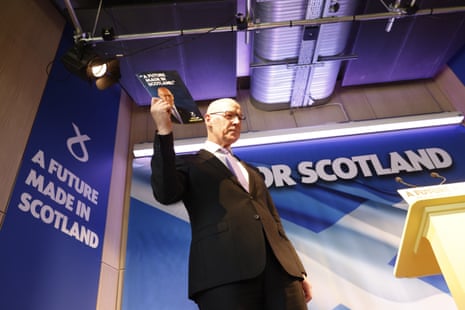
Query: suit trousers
{"points": [[274, 289]]}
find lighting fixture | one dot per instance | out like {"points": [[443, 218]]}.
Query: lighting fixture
{"points": [[105, 72], [97, 68], [108, 34], [86, 64], [317, 132], [241, 21]]}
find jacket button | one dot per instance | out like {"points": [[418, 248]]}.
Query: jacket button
{"points": [[256, 216]]}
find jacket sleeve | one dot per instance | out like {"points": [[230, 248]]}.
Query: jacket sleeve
{"points": [[168, 184]]}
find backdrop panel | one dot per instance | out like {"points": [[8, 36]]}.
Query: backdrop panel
{"points": [[339, 202]]}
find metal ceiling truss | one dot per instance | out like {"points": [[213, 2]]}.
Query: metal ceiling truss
{"points": [[252, 26]]}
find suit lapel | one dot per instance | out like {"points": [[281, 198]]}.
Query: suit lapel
{"points": [[219, 167], [211, 159]]}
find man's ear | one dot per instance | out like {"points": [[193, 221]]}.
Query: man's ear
{"points": [[207, 119]]}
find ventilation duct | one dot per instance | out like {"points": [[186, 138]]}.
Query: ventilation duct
{"points": [[297, 66]]}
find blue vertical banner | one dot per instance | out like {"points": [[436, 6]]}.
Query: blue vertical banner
{"points": [[52, 237]]}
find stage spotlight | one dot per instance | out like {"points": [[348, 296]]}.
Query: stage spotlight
{"points": [[76, 59], [80, 60], [241, 21], [108, 34], [96, 68], [106, 73]]}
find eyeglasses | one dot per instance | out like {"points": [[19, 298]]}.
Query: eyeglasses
{"points": [[229, 115]]}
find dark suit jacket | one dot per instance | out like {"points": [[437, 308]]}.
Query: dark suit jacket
{"points": [[229, 225]]}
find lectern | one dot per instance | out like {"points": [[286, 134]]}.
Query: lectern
{"points": [[433, 239]]}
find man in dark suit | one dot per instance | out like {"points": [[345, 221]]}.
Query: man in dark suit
{"points": [[240, 256]]}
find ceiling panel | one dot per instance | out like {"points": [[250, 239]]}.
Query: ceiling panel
{"points": [[415, 48]]}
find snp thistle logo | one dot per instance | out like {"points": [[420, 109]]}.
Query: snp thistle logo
{"points": [[77, 143]]}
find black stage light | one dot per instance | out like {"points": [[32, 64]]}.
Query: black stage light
{"points": [[105, 72], [86, 64], [76, 59], [241, 21], [108, 34]]}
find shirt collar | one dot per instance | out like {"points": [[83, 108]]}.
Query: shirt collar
{"points": [[212, 147]]}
